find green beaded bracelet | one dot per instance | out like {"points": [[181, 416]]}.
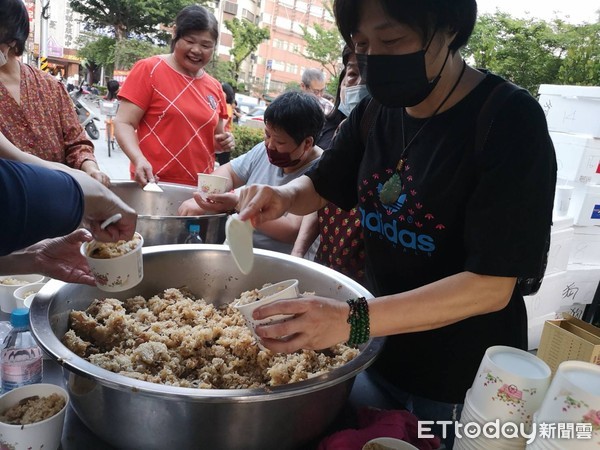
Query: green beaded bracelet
{"points": [[358, 318]]}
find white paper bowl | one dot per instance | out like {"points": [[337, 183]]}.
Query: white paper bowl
{"points": [[116, 274], [279, 291], [573, 397], [22, 299], [510, 385], [7, 291], [209, 184], [40, 435], [391, 443]]}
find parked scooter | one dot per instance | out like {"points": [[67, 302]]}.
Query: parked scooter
{"points": [[85, 112]]}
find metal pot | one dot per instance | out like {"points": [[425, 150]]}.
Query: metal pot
{"points": [[135, 414], [158, 219]]}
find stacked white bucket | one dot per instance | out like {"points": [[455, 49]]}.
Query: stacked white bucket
{"points": [[513, 399], [573, 271]]}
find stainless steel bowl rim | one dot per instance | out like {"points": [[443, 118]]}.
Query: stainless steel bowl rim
{"points": [[42, 331]]}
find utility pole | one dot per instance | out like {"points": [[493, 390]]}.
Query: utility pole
{"points": [[44, 17]]}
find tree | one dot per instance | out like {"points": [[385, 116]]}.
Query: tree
{"points": [[581, 65], [526, 51], [126, 17], [531, 52], [246, 39], [325, 47]]}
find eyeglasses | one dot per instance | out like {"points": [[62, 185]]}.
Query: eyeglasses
{"points": [[316, 91]]}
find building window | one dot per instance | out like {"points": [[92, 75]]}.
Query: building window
{"points": [[230, 8], [248, 15]]}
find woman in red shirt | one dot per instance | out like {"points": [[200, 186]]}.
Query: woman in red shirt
{"points": [[172, 112]]}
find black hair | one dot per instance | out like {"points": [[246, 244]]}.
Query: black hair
{"points": [[297, 113], [229, 93], [425, 16], [14, 24], [112, 87], [194, 18]]}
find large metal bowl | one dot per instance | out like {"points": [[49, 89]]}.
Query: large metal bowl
{"points": [[158, 219], [135, 414]]}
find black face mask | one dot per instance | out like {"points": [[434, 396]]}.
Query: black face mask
{"points": [[398, 80]]}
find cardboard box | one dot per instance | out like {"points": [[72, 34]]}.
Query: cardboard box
{"points": [[569, 339], [577, 157], [535, 327], [571, 109]]}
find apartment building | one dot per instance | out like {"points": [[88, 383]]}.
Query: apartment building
{"points": [[280, 60]]}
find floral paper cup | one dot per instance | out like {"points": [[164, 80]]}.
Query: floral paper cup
{"points": [[42, 434], [24, 294], [211, 184], [574, 398], [8, 286], [115, 266], [510, 385], [278, 291]]}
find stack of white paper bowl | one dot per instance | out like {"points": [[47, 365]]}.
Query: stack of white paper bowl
{"points": [[509, 388], [572, 403], [8, 286]]}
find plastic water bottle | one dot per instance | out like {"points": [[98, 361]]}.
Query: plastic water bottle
{"points": [[21, 357], [194, 236], [5, 328]]}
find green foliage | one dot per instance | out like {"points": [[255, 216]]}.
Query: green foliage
{"points": [[292, 86], [222, 71], [245, 139], [581, 65], [126, 17], [531, 52], [246, 39], [325, 47], [99, 49], [130, 51]]}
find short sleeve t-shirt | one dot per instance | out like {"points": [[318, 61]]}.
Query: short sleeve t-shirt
{"points": [[254, 168], [176, 133], [485, 212], [38, 203]]}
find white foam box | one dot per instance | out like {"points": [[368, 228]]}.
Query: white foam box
{"points": [[581, 282], [577, 157], [585, 248], [549, 298], [561, 242], [584, 206], [535, 327], [571, 109]]}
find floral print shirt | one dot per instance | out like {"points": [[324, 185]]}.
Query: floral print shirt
{"points": [[45, 124]]}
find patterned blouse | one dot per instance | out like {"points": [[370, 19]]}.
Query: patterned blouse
{"points": [[45, 124]]}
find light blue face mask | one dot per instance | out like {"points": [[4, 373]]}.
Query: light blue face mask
{"points": [[3, 59], [352, 97]]}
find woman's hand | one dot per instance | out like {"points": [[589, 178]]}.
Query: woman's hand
{"points": [[319, 323], [92, 169], [60, 258], [190, 207], [261, 203], [224, 141], [143, 173]]}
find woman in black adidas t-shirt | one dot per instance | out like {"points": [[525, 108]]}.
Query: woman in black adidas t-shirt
{"points": [[450, 224]]}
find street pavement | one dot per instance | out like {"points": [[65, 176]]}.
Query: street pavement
{"points": [[117, 165]]}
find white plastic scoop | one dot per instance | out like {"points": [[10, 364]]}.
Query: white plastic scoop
{"points": [[238, 235], [152, 187], [112, 219]]}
